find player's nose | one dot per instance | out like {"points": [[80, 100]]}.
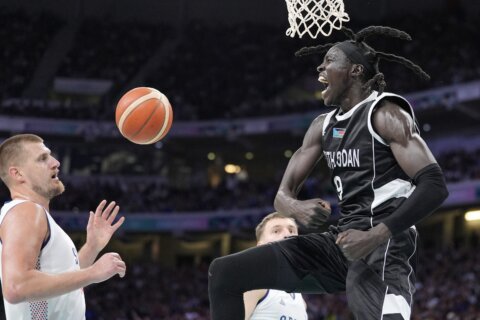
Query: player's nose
{"points": [[55, 163]]}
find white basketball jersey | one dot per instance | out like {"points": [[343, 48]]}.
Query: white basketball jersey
{"points": [[57, 256], [280, 305]]}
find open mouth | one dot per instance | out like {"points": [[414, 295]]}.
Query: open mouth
{"points": [[55, 176], [323, 80]]}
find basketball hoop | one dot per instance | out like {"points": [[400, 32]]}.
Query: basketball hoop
{"points": [[315, 16]]}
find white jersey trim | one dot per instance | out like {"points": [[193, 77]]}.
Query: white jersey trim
{"points": [[394, 189], [349, 113], [396, 304], [326, 121], [411, 268]]}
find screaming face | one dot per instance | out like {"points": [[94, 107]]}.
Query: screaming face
{"points": [[334, 75]]}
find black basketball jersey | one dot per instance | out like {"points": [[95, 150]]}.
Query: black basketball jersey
{"points": [[369, 182]]}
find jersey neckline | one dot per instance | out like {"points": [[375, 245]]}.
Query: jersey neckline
{"points": [[347, 115]]}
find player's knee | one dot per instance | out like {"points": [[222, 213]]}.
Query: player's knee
{"points": [[219, 273]]}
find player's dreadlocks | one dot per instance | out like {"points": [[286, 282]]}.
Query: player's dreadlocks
{"points": [[359, 52]]}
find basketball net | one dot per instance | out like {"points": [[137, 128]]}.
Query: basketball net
{"points": [[315, 16]]}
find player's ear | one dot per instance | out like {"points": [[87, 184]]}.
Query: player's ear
{"points": [[15, 173], [357, 70]]}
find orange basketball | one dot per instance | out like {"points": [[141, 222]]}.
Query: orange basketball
{"points": [[144, 115]]}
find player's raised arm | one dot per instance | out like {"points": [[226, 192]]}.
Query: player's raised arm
{"points": [[397, 128], [312, 211]]}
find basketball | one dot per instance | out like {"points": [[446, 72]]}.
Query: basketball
{"points": [[144, 115]]}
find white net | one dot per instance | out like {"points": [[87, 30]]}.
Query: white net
{"points": [[315, 16]]}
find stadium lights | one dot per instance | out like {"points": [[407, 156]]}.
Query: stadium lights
{"points": [[211, 156], [232, 168], [473, 215]]}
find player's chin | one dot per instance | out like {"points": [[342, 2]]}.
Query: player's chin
{"points": [[327, 98], [327, 101], [57, 190]]}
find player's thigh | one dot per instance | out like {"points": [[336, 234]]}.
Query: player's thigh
{"points": [[381, 286], [317, 260]]}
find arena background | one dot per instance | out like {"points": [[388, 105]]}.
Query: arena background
{"points": [[240, 98]]}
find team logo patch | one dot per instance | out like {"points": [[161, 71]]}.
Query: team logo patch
{"points": [[338, 132]]}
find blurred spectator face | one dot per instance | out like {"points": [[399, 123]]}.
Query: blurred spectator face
{"points": [[278, 229]]}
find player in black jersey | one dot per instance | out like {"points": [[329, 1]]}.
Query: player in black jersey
{"points": [[386, 180]]}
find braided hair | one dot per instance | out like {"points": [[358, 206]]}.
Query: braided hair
{"points": [[366, 55]]}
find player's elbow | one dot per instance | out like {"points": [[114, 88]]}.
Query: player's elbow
{"points": [[280, 203], [277, 202], [13, 293], [444, 193], [442, 189]]}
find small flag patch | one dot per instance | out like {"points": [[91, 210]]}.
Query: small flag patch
{"points": [[338, 132]]}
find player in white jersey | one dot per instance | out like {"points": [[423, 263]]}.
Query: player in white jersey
{"points": [[270, 304], [42, 274]]}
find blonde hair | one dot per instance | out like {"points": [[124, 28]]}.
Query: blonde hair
{"points": [[261, 226], [11, 148]]}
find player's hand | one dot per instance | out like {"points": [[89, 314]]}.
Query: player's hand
{"points": [[100, 228], [107, 266], [356, 244], [311, 213]]}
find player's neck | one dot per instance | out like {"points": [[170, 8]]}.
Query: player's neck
{"points": [[30, 196], [355, 95]]}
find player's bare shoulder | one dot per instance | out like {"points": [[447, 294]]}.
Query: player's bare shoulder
{"points": [[316, 127], [392, 122]]}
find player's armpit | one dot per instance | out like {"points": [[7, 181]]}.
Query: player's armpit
{"points": [[251, 299]]}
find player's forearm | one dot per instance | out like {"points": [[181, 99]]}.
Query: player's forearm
{"points": [[87, 255], [35, 285], [429, 194], [291, 183]]}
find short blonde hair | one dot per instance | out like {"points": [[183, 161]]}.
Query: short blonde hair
{"points": [[261, 226], [11, 148]]}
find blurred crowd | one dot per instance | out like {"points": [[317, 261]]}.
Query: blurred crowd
{"points": [[24, 40], [448, 287], [221, 71], [112, 51], [152, 196], [460, 165]]}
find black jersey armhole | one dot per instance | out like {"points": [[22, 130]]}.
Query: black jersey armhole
{"points": [[45, 242], [405, 105]]}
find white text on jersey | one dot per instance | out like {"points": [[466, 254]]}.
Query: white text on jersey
{"points": [[343, 158]]}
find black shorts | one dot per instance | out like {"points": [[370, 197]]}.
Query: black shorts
{"points": [[381, 285]]}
